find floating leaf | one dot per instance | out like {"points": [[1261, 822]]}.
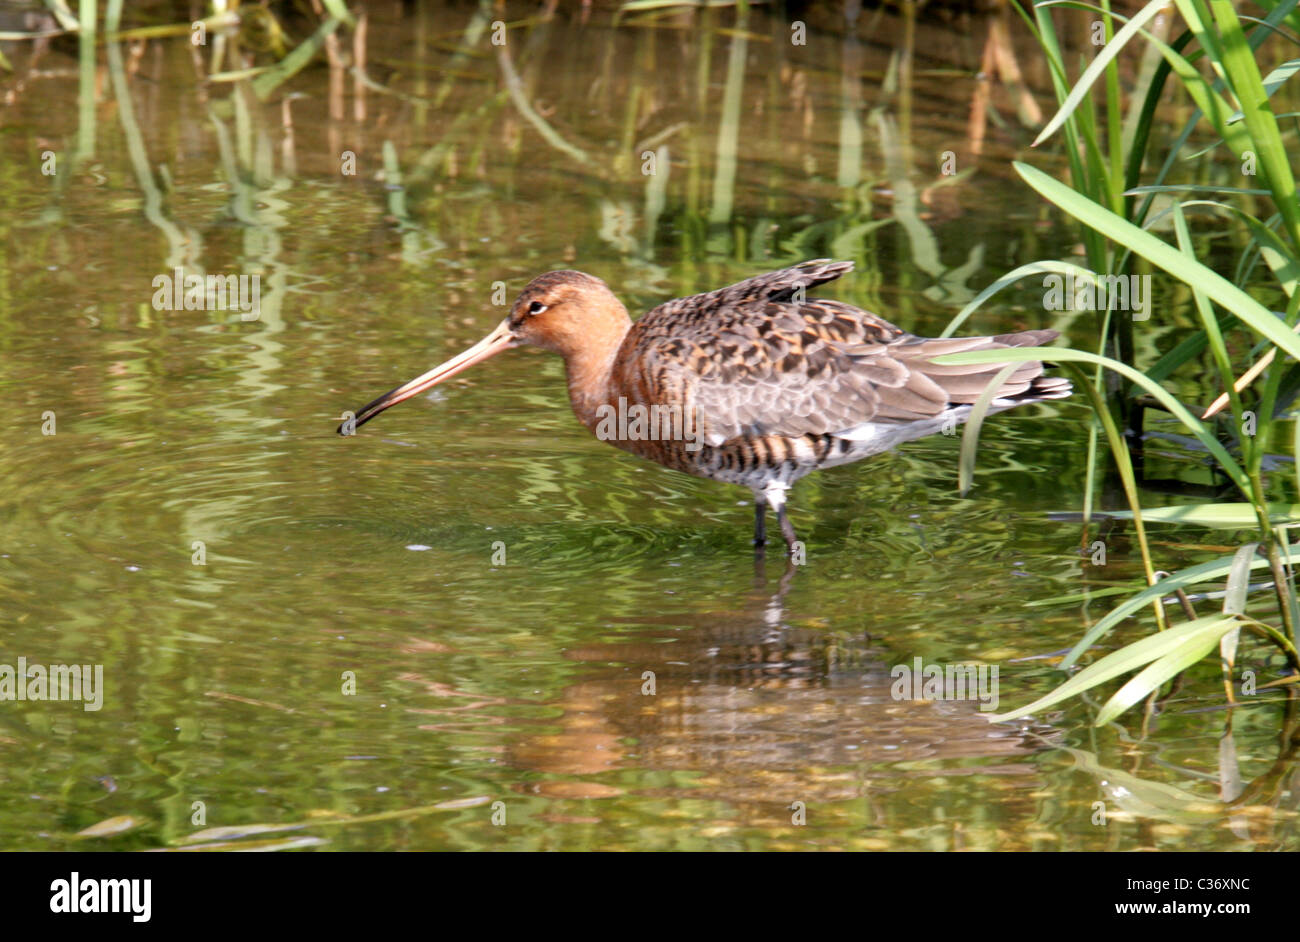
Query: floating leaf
{"points": [[458, 803], [1226, 516], [237, 830], [110, 827], [278, 843]]}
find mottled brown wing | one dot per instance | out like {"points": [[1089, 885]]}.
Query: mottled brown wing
{"points": [[754, 359]]}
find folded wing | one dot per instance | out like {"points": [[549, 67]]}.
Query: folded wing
{"points": [[760, 358]]}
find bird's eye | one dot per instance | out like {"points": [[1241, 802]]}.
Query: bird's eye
{"points": [[536, 307]]}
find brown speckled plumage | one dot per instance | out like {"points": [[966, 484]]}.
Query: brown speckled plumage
{"points": [[779, 384]]}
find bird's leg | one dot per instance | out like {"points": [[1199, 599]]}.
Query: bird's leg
{"points": [[787, 530], [760, 520], [774, 494]]}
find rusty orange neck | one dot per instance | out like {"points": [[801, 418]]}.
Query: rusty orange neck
{"points": [[590, 366]]}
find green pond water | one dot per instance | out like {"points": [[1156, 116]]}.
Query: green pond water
{"points": [[355, 666]]}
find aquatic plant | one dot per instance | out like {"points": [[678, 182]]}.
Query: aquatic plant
{"points": [[1214, 61]]}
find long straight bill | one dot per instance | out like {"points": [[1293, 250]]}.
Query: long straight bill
{"points": [[500, 339]]}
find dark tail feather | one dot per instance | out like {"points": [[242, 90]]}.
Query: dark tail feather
{"points": [[1040, 387], [1046, 387]]}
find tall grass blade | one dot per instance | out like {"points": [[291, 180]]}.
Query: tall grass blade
{"points": [[1098, 65], [1160, 253], [970, 438], [1193, 648], [1128, 658]]}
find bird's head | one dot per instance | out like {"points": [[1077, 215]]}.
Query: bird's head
{"points": [[567, 312]]}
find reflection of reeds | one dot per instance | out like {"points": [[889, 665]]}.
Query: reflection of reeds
{"points": [[86, 82], [276, 75], [415, 242], [656, 189], [724, 168], [948, 285], [183, 247], [472, 35], [517, 95], [849, 174], [705, 202], [999, 61]]}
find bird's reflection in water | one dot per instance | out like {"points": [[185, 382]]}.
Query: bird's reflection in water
{"points": [[758, 707]]}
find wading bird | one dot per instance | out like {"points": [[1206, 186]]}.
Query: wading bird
{"points": [[753, 384]]}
